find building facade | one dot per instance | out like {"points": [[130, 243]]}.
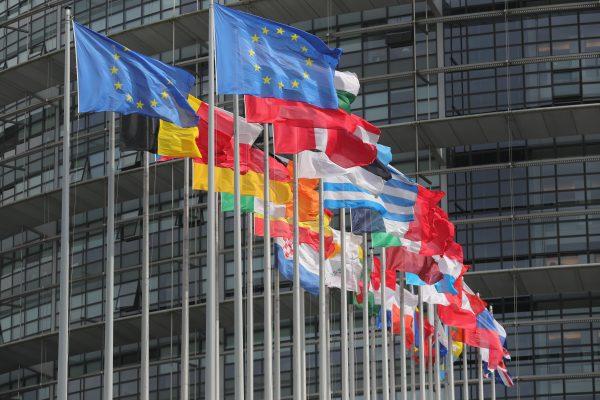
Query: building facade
{"points": [[495, 102]]}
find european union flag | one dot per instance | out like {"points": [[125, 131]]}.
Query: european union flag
{"points": [[260, 57], [111, 77]]}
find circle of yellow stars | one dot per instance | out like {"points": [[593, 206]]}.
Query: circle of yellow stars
{"points": [[266, 79], [118, 85]]}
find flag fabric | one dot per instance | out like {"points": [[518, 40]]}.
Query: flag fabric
{"points": [[370, 288], [247, 203], [501, 374], [261, 57], [458, 313], [341, 192], [487, 335], [354, 255], [175, 141], [308, 263], [139, 133], [224, 126], [111, 77], [451, 267], [251, 183], [401, 259], [347, 86]]}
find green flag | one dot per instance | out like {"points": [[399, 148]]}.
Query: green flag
{"points": [[383, 239], [247, 203]]}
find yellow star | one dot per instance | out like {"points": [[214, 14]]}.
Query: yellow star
{"points": [[118, 85], [305, 75], [153, 103], [140, 105], [280, 31], [164, 94], [255, 38], [304, 49], [295, 37], [309, 62], [114, 70], [265, 30], [251, 52], [295, 83], [129, 98], [267, 80], [126, 49], [116, 56], [280, 85], [256, 67]]}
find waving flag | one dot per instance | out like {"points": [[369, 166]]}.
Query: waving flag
{"points": [[111, 77], [261, 57], [488, 334], [308, 260], [354, 255]]}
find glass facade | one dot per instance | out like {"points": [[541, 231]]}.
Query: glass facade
{"points": [[554, 337]]}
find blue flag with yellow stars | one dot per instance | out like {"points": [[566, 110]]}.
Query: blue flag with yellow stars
{"points": [[260, 57], [110, 77]]}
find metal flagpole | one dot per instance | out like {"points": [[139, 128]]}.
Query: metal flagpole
{"points": [[344, 307], [63, 324], [429, 363], [276, 338], [237, 256], [328, 343], [392, 361], [480, 374], [403, 383], [185, 285], [351, 354], [373, 355], [297, 320], [249, 309], [145, 340], [303, 342], [384, 331], [413, 373], [365, 317], [465, 372], [373, 359], [267, 274], [450, 358], [323, 394], [422, 373], [110, 264], [438, 378], [492, 373], [212, 345]]}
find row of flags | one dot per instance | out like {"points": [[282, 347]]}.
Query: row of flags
{"points": [[288, 78]]}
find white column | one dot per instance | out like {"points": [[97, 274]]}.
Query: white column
{"points": [[145, 339], [344, 307], [351, 354], [249, 308], [403, 371], [323, 338], [297, 320], [422, 373], [267, 274], [385, 384], [365, 328]]}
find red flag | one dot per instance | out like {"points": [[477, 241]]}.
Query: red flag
{"points": [[402, 259]]}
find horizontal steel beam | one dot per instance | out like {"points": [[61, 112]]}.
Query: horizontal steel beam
{"points": [[526, 217]]}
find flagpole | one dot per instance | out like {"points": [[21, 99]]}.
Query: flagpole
{"points": [[351, 357], [450, 357], [297, 320], [267, 275], [237, 256], [110, 264], [392, 356], [322, 302], [465, 372], [344, 306], [212, 345], [403, 380], [480, 374], [145, 339], [422, 373], [249, 309], [373, 355], [492, 373], [63, 324], [438, 380], [365, 317], [277, 324], [303, 342], [429, 364], [384, 359], [413, 370]]}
